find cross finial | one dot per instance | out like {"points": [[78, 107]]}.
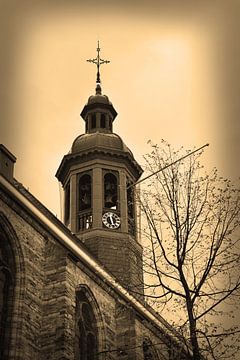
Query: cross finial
{"points": [[98, 61]]}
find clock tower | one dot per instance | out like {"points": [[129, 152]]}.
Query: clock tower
{"points": [[99, 201]]}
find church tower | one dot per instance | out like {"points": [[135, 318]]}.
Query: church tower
{"points": [[99, 201]]}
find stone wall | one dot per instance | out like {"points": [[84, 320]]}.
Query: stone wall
{"points": [[28, 247], [44, 314], [122, 256]]}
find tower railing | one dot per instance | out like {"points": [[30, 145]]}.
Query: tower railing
{"points": [[85, 220]]}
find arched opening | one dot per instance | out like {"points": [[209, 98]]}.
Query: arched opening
{"points": [[7, 281], [87, 329], [94, 121], [12, 281], [110, 124], [85, 192], [85, 202], [103, 121], [131, 208], [87, 125], [110, 191], [6, 299], [67, 204]]}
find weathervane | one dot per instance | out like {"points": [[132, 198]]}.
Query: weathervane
{"points": [[98, 61]]}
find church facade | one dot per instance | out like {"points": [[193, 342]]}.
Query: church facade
{"points": [[73, 289]]}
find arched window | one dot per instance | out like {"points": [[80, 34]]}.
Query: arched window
{"points": [[110, 124], [130, 206], [7, 272], [110, 191], [86, 332], [87, 125], [94, 121], [67, 203], [85, 217], [149, 352], [103, 121], [85, 192]]}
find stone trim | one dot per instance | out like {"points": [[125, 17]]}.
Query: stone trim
{"points": [[102, 153], [97, 313]]}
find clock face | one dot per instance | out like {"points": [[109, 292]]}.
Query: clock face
{"points": [[111, 220]]}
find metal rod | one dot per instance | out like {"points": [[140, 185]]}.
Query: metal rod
{"points": [[165, 167]]}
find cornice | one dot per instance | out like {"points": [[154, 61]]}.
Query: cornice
{"points": [[101, 106], [92, 153]]}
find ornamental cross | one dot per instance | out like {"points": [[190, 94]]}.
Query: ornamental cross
{"points": [[98, 61]]}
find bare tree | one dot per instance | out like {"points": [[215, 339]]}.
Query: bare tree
{"points": [[192, 250]]}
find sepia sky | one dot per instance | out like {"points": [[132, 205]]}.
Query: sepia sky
{"points": [[174, 74]]}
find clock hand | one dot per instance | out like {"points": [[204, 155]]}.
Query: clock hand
{"points": [[111, 218]]}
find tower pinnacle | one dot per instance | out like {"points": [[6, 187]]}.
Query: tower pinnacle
{"points": [[98, 61]]}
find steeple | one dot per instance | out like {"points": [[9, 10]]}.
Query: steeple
{"points": [[99, 207]]}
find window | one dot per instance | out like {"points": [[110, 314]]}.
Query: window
{"points": [[130, 200], [110, 124], [103, 121], [131, 210], [85, 217], [86, 332], [67, 203], [94, 121], [6, 293], [110, 191], [85, 192]]}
